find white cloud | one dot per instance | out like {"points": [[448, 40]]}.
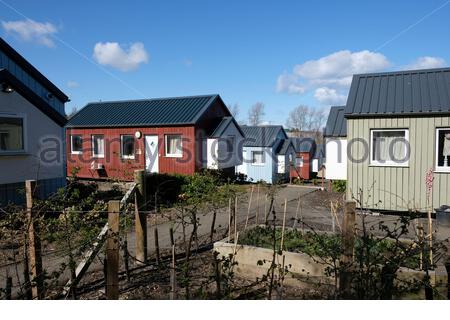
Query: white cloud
{"points": [[30, 30], [329, 96], [72, 84], [426, 62], [330, 76], [289, 83], [342, 64], [112, 54]]}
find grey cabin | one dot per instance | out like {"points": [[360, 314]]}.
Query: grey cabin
{"points": [[32, 119], [398, 131]]}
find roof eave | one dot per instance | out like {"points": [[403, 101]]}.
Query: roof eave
{"points": [[32, 97], [29, 68]]}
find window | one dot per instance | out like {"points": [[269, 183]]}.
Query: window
{"points": [[443, 150], [174, 145], [11, 134], [76, 143], [389, 147], [98, 146], [127, 142], [299, 162], [257, 157]]}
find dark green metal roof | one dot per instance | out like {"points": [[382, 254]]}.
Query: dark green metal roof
{"points": [[261, 136], [400, 93], [149, 112]]}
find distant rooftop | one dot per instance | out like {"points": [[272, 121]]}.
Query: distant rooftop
{"points": [[261, 136], [336, 123]]}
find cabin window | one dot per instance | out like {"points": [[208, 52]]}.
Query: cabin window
{"points": [[127, 142], [11, 134], [443, 150], [257, 157], [174, 145], [76, 143], [299, 162], [389, 147], [98, 146]]}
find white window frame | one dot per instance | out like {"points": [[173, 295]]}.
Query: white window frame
{"points": [[123, 156], [299, 162], [438, 168], [94, 155], [375, 163], [258, 163], [173, 155], [24, 133], [71, 144]]}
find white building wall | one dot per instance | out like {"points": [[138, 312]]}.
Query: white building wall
{"points": [[41, 159], [336, 158]]}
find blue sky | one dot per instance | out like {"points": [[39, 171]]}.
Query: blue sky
{"points": [[282, 53]]}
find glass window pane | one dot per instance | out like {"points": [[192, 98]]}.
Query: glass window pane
{"points": [[443, 148], [11, 134], [77, 144], [173, 145], [257, 157], [389, 146], [128, 146], [98, 145]]}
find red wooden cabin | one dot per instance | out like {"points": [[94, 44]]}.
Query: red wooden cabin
{"points": [[304, 150], [109, 140]]}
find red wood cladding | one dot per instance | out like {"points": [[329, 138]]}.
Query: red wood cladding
{"points": [[305, 171], [117, 168]]}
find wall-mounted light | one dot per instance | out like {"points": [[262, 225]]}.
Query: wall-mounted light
{"points": [[138, 134], [7, 88]]}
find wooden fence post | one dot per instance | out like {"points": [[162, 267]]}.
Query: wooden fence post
{"points": [[140, 217], [112, 251], [348, 242], [34, 242], [158, 256], [173, 277], [8, 288]]}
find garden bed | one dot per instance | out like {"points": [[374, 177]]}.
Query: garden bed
{"points": [[308, 258]]}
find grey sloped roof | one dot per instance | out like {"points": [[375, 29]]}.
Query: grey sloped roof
{"points": [[284, 146], [148, 112], [261, 136], [413, 92], [223, 125], [336, 123], [304, 145]]}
